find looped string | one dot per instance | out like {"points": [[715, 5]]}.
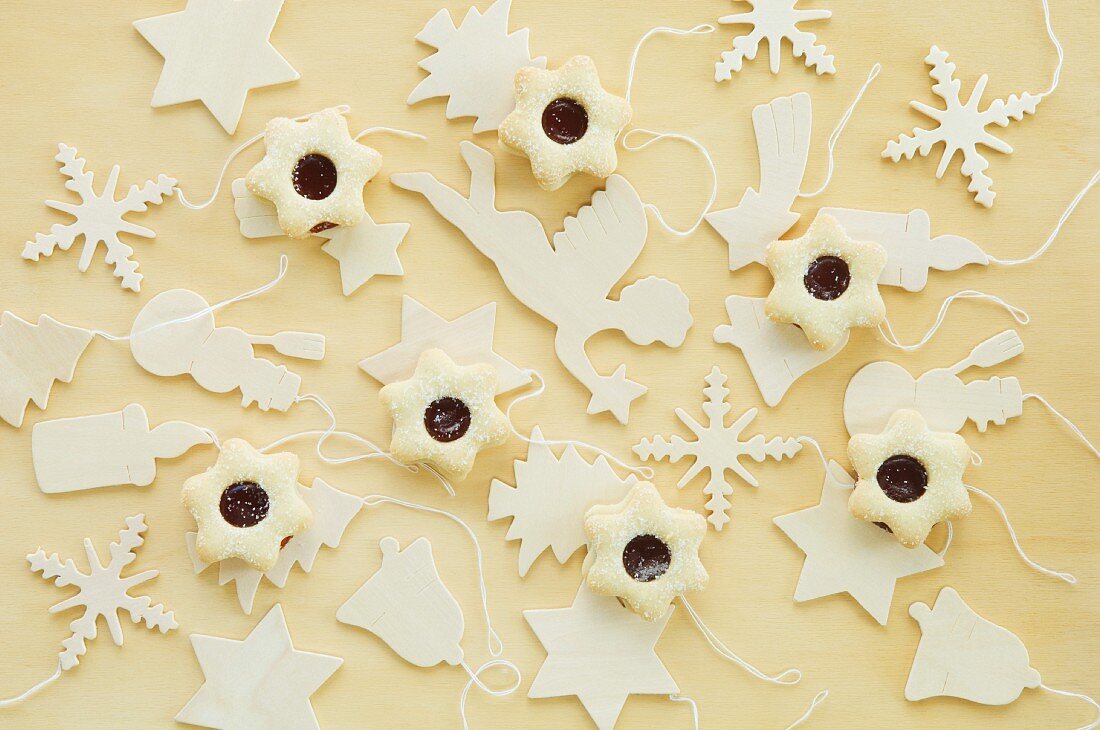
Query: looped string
{"points": [[887, 331], [820, 452], [284, 265], [1057, 228], [33, 690], [817, 700], [1067, 577], [1057, 47], [475, 679], [835, 136], [697, 30], [342, 108], [976, 458], [644, 471], [694, 708], [786, 677], [657, 137], [1095, 723], [1070, 424], [947, 542], [213, 437], [389, 130]]}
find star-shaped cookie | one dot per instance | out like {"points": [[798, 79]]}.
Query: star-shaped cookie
{"points": [[643, 551], [565, 122], [825, 283], [445, 414], [246, 505], [910, 478]]}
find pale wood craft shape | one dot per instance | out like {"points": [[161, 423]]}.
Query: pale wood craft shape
{"points": [[103, 591], [718, 448], [882, 388], [259, 683], [551, 496], [468, 340], [332, 510], [782, 130], [777, 354], [961, 126], [365, 250], [568, 283], [107, 450], [475, 64], [773, 21], [215, 51], [961, 654], [32, 357], [407, 606], [99, 218], [220, 359], [848, 555], [600, 652]]}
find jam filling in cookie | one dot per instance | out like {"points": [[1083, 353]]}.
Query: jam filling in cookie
{"points": [[447, 419], [903, 478], [646, 558], [827, 278], [565, 120], [244, 504], [314, 176]]}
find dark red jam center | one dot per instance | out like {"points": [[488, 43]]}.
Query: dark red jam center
{"points": [[565, 121], [447, 419], [827, 278], [883, 526], [322, 227], [903, 478], [314, 177], [244, 504], [646, 558]]}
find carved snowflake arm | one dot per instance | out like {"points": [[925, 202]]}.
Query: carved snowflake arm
{"points": [[52, 567], [718, 505], [72, 167], [974, 167], [947, 87], [153, 192], [76, 645], [118, 254], [816, 56], [44, 244], [659, 448], [155, 617], [744, 47], [129, 539], [1003, 111], [921, 142]]}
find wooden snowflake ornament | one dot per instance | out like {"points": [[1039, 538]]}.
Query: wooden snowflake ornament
{"points": [[103, 591], [962, 126], [100, 218], [551, 496], [773, 21], [717, 448]]}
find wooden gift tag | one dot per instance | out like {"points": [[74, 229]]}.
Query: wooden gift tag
{"points": [[32, 357]]}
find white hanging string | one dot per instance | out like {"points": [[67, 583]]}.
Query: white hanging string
{"points": [[33, 690], [694, 708], [817, 700], [213, 437], [1095, 723], [1067, 577], [644, 471], [284, 265], [1057, 228], [887, 331], [1070, 424], [475, 679], [976, 458], [342, 108], [1057, 47], [947, 542], [657, 137], [786, 677], [389, 130], [697, 30], [839, 130], [820, 452]]}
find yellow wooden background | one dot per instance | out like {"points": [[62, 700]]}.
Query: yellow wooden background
{"points": [[79, 73]]}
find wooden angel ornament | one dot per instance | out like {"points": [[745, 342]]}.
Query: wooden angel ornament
{"points": [[568, 282]]}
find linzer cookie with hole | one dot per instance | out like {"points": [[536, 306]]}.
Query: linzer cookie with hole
{"points": [[314, 173], [909, 478], [643, 551], [825, 283], [445, 414], [565, 122], [247, 505]]}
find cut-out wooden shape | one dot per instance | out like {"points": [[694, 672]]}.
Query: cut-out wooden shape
{"points": [[468, 340], [550, 499], [782, 130], [332, 510], [848, 555], [215, 51], [568, 283], [774, 21], [882, 388], [103, 591], [261, 681], [365, 250], [407, 606], [220, 359], [777, 354], [107, 450], [600, 652], [961, 654], [475, 64], [32, 357]]}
